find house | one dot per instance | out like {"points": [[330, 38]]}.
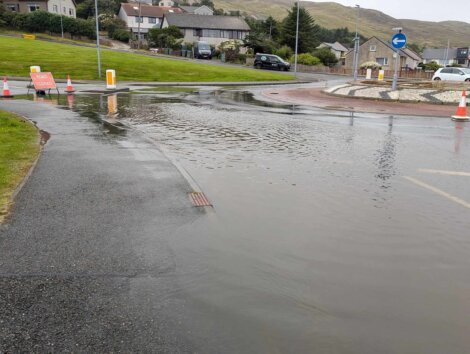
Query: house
{"points": [[166, 3], [150, 17], [197, 10], [211, 29], [337, 48], [60, 7], [447, 56], [375, 49]]}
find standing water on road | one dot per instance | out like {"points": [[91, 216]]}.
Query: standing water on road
{"points": [[332, 232]]}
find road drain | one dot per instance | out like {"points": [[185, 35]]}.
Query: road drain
{"points": [[199, 199]]}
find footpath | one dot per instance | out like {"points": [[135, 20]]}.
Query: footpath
{"points": [[88, 232]]}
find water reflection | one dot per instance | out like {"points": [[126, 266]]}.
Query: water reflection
{"points": [[459, 130], [385, 158]]}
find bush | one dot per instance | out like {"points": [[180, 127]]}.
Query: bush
{"points": [[306, 59], [431, 66], [242, 58], [122, 35], [285, 52], [42, 21], [326, 56], [371, 65]]}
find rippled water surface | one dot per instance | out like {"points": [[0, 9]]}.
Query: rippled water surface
{"points": [[317, 242]]}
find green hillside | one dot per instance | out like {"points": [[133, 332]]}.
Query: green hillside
{"points": [[372, 22]]}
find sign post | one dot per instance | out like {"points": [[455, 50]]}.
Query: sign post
{"points": [[398, 42], [43, 81]]}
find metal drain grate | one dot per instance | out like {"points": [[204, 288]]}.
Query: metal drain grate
{"points": [[199, 199]]}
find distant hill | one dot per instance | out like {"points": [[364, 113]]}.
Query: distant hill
{"points": [[372, 22]]}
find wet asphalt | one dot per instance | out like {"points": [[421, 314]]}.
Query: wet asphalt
{"points": [[331, 232], [84, 260]]}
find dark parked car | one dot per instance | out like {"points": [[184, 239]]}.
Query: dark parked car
{"points": [[270, 61]]}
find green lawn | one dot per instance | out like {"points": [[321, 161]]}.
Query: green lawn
{"points": [[17, 55], [19, 147]]}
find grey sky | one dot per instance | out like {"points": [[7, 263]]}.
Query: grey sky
{"points": [[426, 10]]}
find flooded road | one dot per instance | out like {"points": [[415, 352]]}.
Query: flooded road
{"points": [[331, 232]]}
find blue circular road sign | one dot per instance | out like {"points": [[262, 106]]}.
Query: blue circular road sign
{"points": [[398, 41]]}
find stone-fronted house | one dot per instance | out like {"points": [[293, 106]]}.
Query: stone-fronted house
{"points": [[375, 49], [211, 29], [60, 7], [150, 17]]}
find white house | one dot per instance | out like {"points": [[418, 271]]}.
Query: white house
{"points": [[211, 29], [150, 17], [166, 3], [60, 7]]}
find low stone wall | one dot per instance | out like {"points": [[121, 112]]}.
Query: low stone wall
{"points": [[437, 96]]}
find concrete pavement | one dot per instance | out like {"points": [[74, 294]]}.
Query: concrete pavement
{"points": [[84, 258]]}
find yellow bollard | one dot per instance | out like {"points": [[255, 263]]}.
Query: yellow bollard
{"points": [[110, 79], [381, 75], [35, 69]]}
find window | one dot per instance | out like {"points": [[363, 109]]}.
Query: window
{"points": [[70, 12], [55, 8], [373, 48], [382, 61], [152, 20], [446, 71], [13, 7], [33, 7], [197, 32], [139, 19], [211, 33], [64, 10]]}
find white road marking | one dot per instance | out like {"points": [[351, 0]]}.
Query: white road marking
{"points": [[448, 173], [438, 191]]}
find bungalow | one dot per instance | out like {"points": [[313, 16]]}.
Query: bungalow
{"points": [[150, 17], [211, 29], [375, 49], [198, 10], [60, 7], [337, 48], [447, 56]]}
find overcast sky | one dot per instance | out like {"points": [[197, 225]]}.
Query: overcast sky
{"points": [[426, 10]]}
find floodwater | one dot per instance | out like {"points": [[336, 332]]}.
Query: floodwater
{"points": [[325, 236]]}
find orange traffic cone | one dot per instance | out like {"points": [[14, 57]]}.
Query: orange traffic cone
{"points": [[462, 114], [6, 89], [69, 88]]}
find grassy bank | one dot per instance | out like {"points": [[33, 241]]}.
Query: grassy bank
{"points": [[19, 147], [17, 55]]}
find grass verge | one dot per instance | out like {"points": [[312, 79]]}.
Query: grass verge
{"points": [[17, 55], [19, 147]]}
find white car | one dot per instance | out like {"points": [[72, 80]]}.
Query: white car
{"points": [[452, 74]]}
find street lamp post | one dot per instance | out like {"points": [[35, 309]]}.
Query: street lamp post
{"points": [[138, 25], [356, 44], [61, 22], [297, 38], [98, 38]]}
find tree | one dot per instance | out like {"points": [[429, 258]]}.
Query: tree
{"points": [[271, 28], [168, 37], [308, 30], [326, 56], [416, 48]]}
